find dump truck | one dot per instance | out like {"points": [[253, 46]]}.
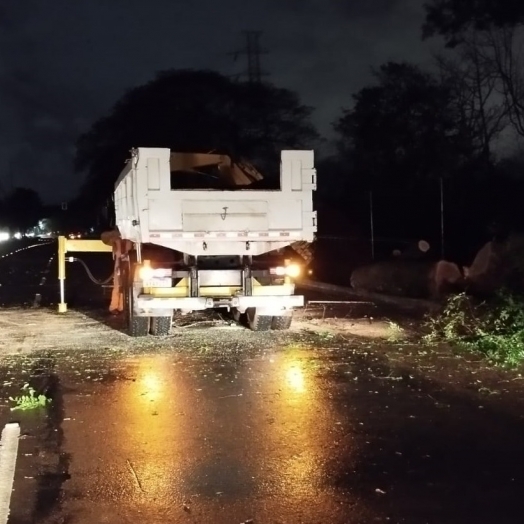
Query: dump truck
{"points": [[197, 231]]}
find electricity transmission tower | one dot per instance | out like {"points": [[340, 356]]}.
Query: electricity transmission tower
{"points": [[253, 52]]}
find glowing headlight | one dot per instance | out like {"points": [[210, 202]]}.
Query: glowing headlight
{"points": [[146, 273], [293, 271]]}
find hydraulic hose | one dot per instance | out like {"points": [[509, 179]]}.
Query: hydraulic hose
{"points": [[90, 275]]}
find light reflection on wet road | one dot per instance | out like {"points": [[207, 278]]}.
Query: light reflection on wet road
{"points": [[290, 432], [171, 439]]}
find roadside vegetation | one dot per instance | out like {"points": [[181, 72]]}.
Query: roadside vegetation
{"points": [[29, 399], [493, 328]]}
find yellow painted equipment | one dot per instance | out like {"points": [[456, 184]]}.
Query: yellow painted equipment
{"points": [[68, 245]]}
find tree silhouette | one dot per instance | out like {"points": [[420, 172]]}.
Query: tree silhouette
{"points": [[22, 209], [404, 128], [453, 18], [193, 111], [474, 87]]}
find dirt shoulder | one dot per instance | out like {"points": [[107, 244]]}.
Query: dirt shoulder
{"points": [[27, 330], [392, 348]]}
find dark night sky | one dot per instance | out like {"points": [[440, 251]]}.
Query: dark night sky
{"points": [[65, 62]]}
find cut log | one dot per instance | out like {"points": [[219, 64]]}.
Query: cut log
{"points": [[409, 278]]}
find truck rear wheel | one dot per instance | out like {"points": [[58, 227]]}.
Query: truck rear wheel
{"points": [[237, 316], [136, 326], [281, 323], [160, 326], [257, 322]]}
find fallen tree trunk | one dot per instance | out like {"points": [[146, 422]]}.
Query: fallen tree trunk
{"points": [[409, 278]]}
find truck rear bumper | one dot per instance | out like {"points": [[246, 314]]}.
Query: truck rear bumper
{"points": [[147, 305]]}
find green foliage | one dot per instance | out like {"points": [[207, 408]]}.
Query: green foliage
{"points": [[29, 400], [396, 332], [494, 328]]}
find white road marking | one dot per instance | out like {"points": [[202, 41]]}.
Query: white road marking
{"points": [[8, 453], [27, 247]]}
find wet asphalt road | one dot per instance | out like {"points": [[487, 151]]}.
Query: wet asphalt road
{"points": [[295, 429], [167, 439]]}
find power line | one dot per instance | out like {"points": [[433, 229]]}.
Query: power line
{"points": [[253, 52]]}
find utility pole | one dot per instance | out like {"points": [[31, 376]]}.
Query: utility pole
{"points": [[255, 121], [442, 238], [372, 225], [11, 176], [253, 52]]}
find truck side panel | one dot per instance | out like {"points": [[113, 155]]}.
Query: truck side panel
{"points": [[215, 222]]}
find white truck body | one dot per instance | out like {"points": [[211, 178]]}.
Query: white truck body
{"points": [[240, 223], [214, 222]]}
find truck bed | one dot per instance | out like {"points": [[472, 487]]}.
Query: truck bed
{"points": [[214, 222]]}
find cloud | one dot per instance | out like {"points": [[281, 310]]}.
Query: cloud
{"points": [[330, 50], [64, 64]]}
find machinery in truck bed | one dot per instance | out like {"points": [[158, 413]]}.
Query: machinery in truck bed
{"points": [[185, 242]]}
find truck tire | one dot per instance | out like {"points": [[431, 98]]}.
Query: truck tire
{"points": [[258, 322], [136, 326], [281, 323], [161, 326], [237, 316]]}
